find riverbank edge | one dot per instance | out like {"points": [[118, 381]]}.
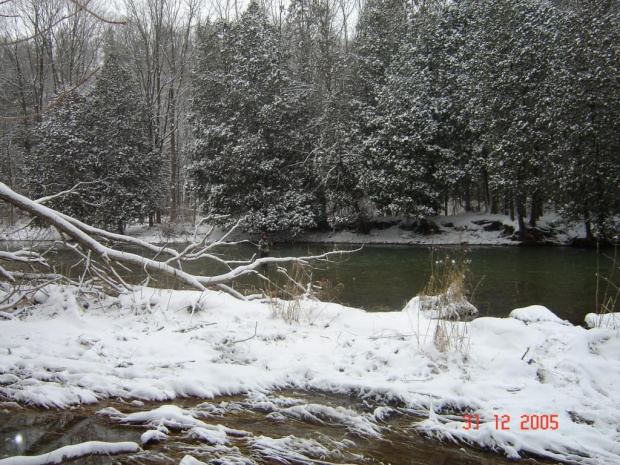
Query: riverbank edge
{"points": [[467, 229]]}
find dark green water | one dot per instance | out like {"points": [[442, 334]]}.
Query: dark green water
{"points": [[385, 278]]}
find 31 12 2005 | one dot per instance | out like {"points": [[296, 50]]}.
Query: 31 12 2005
{"points": [[526, 422]]}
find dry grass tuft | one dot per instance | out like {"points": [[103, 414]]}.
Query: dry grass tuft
{"points": [[607, 293], [285, 295], [445, 298]]}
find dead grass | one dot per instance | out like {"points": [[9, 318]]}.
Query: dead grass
{"points": [[607, 293], [295, 284], [445, 298]]}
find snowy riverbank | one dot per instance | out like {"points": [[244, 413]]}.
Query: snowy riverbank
{"points": [[531, 383], [465, 228]]}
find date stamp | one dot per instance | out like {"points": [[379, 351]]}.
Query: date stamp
{"points": [[524, 422]]}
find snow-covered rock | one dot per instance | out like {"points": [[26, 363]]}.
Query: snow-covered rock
{"points": [[605, 320], [536, 313]]}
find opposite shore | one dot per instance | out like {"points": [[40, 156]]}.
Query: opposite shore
{"points": [[461, 229]]}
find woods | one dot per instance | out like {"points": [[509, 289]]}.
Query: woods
{"points": [[314, 114]]}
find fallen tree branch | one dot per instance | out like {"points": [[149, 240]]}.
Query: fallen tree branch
{"points": [[85, 237]]}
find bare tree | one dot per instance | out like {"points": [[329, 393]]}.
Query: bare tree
{"points": [[159, 43], [48, 48]]}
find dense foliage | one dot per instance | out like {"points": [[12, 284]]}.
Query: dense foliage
{"points": [[98, 142], [503, 105], [297, 118], [247, 113]]}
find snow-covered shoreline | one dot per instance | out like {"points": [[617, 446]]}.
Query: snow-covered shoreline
{"points": [[466, 228], [160, 345]]}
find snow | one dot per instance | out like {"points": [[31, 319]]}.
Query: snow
{"points": [[531, 364], [189, 460], [535, 313], [74, 452], [283, 450], [152, 436], [607, 320], [442, 306]]}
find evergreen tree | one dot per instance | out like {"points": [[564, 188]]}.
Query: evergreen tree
{"points": [[58, 159], [321, 64], [403, 156], [247, 111], [422, 144], [586, 99], [382, 29], [101, 139], [507, 87]]}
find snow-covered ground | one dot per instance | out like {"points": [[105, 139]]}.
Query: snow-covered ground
{"points": [[530, 383], [464, 228]]}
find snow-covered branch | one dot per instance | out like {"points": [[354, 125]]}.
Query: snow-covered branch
{"points": [[23, 256], [89, 247]]}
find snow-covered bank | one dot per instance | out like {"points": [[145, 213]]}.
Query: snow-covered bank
{"points": [[529, 383], [465, 228]]}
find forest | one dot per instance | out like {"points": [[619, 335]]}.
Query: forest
{"points": [[312, 114]]}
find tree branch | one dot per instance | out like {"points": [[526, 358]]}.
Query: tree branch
{"points": [[99, 17], [83, 236], [54, 104]]}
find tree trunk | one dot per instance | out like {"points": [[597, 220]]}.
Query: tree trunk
{"points": [[467, 194], [588, 226], [534, 211], [521, 212], [173, 158], [488, 198]]}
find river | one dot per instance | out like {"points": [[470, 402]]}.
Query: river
{"points": [[385, 278]]}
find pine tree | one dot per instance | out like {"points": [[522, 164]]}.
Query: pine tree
{"points": [[422, 145], [507, 86], [321, 64], [382, 29], [58, 162]]}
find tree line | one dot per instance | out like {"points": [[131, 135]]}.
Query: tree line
{"points": [[316, 113]]}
